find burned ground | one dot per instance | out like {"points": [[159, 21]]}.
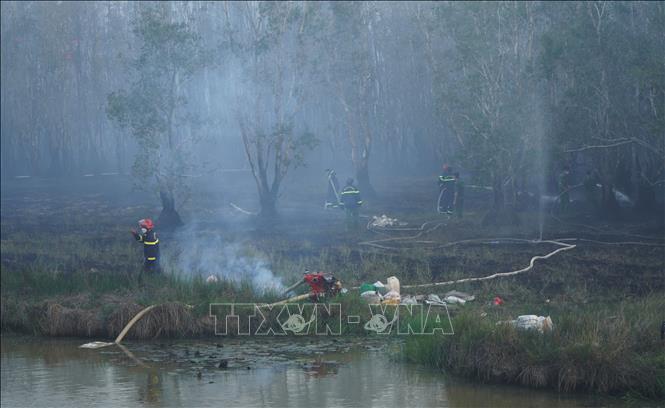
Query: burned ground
{"points": [[55, 229]]}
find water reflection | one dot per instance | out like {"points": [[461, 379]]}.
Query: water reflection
{"points": [[151, 393], [320, 368], [55, 372]]}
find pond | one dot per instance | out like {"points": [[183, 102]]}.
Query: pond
{"points": [[301, 372]]}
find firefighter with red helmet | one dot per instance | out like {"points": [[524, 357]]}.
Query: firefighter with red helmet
{"points": [[148, 236]]}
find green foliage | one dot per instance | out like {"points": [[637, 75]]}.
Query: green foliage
{"points": [[273, 38], [605, 70], [154, 107], [488, 87], [515, 78]]}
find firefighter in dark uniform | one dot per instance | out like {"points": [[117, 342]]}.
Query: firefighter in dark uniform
{"points": [[148, 236], [446, 191], [352, 201]]}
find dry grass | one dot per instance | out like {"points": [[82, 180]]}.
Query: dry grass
{"points": [[166, 320], [59, 318]]}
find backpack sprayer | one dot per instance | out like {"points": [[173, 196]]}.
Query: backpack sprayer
{"points": [[321, 285]]}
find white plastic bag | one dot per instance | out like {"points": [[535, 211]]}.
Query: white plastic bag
{"points": [[532, 322], [393, 284], [434, 299], [454, 300], [408, 300], [371, 297]]}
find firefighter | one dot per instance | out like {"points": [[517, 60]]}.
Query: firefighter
{"points": [[459, 196], [148, 236], [352, 201], [564, 188], [332, 198], [446, 190]]}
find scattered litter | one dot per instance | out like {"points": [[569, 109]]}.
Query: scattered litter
{"points": [[409, 300], [531, 322], [461, 295], [371, 297], [497, 301], [392, 298], [378, 292], [454, 300], [212, 279], [95, 345], [433, 299], [385, 221], [393, 284], [372, 292], [367, 287]]}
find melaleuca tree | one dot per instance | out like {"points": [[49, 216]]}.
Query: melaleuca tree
{"points": [[486, 85], [154, 108], [270, 39]]}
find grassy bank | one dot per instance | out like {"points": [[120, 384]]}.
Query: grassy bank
{"points": [[85, 304], [612, 347]]}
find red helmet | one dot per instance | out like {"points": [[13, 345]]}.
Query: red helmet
{"points": [[146, 223]]}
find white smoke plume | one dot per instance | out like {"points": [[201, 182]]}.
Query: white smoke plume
{"points": [[206, 254]]}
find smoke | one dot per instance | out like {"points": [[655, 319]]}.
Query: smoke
{"points": [[205, 254]]}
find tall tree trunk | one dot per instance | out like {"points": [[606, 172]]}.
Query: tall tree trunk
{"points": [[362, 175], [268, 201], [361, 148], [169, 217]]}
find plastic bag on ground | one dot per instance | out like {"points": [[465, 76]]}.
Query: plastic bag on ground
{"points": [[385, 221], [367, 287], [461, 295], [393, 284], [531, 322], [392, 298], [454, 300], [433, 299], [408, 300], [371, 297]]}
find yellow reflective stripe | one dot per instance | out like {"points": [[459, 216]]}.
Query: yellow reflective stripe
{"points": [[152, 258], [151, 243]]}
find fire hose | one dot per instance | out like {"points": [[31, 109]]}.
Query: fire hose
{"points": [[125, 330], [422, 231]]}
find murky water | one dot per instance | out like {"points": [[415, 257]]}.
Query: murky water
{"points": [[256, 372]]}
